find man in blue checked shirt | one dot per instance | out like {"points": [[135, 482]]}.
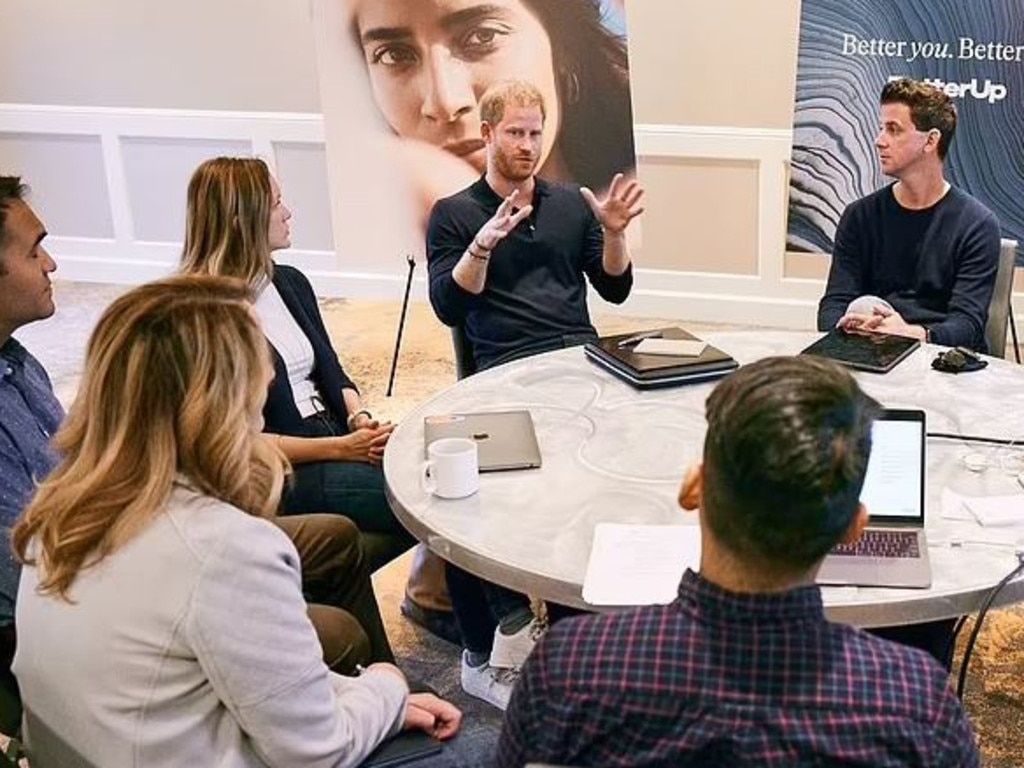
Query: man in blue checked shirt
{"points": [[743, 669], [29, 411]]}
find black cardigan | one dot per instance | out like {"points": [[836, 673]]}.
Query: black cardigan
{"points": [[280, 415]]}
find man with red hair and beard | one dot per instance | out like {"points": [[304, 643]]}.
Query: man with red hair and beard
{"points": [[508, 255], [509, 258]]}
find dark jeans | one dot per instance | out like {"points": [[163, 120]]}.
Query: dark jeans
{"points": [[479, 605], [336, 584], [10, 701], [349, 488]]}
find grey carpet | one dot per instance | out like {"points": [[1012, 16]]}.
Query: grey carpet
{"points": [[424, 657]]}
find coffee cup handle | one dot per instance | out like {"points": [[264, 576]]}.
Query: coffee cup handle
{"points": [[427, 482]]}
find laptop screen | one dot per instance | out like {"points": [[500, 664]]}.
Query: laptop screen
{"points": [[894, 485]]}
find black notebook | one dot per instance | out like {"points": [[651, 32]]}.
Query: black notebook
{"points": [[620, 356], [875, 352], [402, 748]]}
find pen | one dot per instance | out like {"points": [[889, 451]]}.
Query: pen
{"points": [[637, 338]]}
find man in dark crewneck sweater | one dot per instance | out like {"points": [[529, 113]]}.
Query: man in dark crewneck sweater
{"points": [[928, 251], [507, 259], [507, 256], [920, 256]]}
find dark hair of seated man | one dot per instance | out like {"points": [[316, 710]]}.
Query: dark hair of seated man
{"points": [[784, 461]]}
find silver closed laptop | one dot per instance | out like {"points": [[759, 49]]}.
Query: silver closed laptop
{"points": [[505, 439], [893, 551]]}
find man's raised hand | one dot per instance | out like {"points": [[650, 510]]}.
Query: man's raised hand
{"points": [[620, 205], [504, 220]]}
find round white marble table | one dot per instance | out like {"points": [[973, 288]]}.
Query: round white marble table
{"points": [[614, 454]]}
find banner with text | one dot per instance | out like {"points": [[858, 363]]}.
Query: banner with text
{"points": [[849, 49]]}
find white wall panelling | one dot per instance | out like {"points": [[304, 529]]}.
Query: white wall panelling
{"points": [[147, 154]]}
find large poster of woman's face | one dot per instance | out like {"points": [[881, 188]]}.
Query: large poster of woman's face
{"points": [[400, 82]]}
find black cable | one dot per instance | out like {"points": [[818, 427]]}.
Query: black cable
{"points": [[1013, 335], [975, 438], [962, 677]]}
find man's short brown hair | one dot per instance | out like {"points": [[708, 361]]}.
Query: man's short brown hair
{"points": [[930, 108], [517, 92]]}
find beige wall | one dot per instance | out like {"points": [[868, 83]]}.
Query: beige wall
{"points": [[726, 63], [729, 63], [177, 54]]}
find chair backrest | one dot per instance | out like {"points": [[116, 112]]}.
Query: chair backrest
{"points": [[999, 307], [465, 365]]}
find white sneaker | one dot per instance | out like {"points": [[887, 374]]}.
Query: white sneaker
{"points": [[487, 683], [510, 651]]}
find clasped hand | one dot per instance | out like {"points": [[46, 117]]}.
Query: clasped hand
{"points": [[367, 443], [881, 320]]}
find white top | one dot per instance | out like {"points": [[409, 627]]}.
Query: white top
{"points": [[191, 646], [291, 343]]}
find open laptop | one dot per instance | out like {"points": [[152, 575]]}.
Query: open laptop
{"points": [[892, 551], [864, 351], [505, 439]]}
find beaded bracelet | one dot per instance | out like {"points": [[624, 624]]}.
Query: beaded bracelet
{"points": [[353, 416]]}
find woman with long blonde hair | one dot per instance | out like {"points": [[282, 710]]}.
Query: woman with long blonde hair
{"points": [[235, 219], [160, 618]]}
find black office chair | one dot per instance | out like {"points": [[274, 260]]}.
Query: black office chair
{"points": [[465, 365]]}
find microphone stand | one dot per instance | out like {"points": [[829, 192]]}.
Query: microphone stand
{"points": [[401, 324]]}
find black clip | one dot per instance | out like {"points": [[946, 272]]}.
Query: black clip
{"points": [[958, 360]]}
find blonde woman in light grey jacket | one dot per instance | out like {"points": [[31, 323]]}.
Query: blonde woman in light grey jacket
{"points": [[160, 618]]}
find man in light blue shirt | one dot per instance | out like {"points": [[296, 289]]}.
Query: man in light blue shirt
{"points": [[29, 411]]}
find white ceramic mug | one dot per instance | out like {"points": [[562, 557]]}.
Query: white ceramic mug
{"points": [[451, 470]]}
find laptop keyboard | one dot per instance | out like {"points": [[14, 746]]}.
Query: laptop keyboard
{"points": [[874, 543]]}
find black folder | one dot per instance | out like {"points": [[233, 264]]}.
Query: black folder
{"points": [[402, 748], [617, 355]]}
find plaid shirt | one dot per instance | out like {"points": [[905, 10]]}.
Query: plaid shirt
{"points": [[724, 679]]}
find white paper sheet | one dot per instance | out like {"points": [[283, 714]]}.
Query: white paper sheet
{"points": [[639, 564], [953, 507], [671, 347], [997, 510], [989, 511]]}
